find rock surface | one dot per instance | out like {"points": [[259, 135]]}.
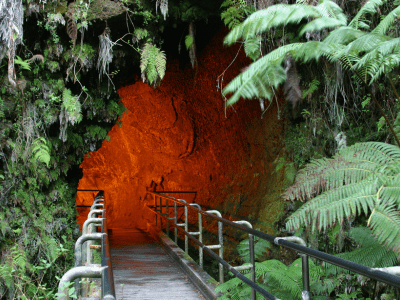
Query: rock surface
{"points": [[179, 137]]}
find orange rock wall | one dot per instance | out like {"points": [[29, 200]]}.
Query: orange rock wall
{"points": [[176, 137]]}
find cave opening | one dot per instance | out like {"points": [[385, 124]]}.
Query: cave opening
{"points": [[181, 137]]}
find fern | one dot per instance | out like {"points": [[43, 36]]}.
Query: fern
{"points": [[40, 150], [252, 47], [360, 179], [72, 107], [19, 257], [260, 247], [152, 64], [252, 84], [283, 14], [368, 8], [23, 63], [387, 22], [368, 252], [367, 54]]}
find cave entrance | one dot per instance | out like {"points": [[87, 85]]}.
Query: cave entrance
{"points": [[180, 137]]}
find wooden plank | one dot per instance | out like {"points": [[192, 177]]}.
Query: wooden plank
{"points": [[143, 270]]}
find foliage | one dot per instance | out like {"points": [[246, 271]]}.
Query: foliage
{"points": [[260, 247], [360, 179], [368, 253], [41, 142], [236, 11], [285, 282], [368, 54], [188, 41], [41, 151], [152, 64]]}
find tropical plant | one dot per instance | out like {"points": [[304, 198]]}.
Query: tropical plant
{"points": [[368, 252], [361, 179], [367, 53], [152, 64], [40, 150]]}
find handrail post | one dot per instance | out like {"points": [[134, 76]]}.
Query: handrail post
{"points": [[176, 222], [252, 257], [201, 254], [220, 243], [161, 213], [253, 265], [155, 208], [200, 232], [187, 230], [183, 224], [305, 294], [167, 207]]}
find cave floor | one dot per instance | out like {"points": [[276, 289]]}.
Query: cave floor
{"points": [[143, 270]]}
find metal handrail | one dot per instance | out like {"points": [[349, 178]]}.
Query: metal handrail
{"points": [[293, 243], [90, 271]]}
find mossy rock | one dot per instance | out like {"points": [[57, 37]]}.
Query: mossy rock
{"points": [[100, 9]]}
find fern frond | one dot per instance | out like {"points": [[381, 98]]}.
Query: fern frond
{"points": [[387, 22], [161, 62], [369, 252], [23, 63], [252, 47], [350, 165], [320, 24], [382, 59], [40, 150], [72, 107], [255, 82], [363, 44], [152, 63], [334, 206], [330, 9], [275, 15], [260, 247], [385, 224], [283, 14], [313, 50], [343, 35], [144, 57], [368, 8]]}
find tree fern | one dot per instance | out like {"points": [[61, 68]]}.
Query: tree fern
{"points": [[368, 252], [367, 54], [387, 22], [152, 64], [283, 14], [369, 7], [362, 178], [256, 82], [252, 47]]}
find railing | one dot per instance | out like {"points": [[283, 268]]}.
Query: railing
{"points": [[294, 243], [89, 270]]}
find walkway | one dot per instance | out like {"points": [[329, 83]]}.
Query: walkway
{"points": [[143, 270]]}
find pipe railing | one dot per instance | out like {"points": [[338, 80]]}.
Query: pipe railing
{"points": [[86, 269], [294, 243]]}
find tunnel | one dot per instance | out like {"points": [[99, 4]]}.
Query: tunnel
{"points": [[180, 137]]}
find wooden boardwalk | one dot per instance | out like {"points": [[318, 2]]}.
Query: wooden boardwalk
{"points": [[143, 270]]}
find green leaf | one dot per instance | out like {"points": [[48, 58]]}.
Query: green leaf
{"points": [[188, 41], [23, 63]]}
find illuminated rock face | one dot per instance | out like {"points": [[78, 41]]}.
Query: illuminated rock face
{"points": [[179, 137]]}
